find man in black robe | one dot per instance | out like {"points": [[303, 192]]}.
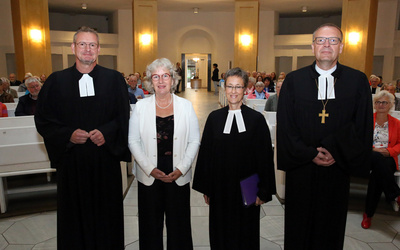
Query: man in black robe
{"points": [[324, 134], [82, 114]]}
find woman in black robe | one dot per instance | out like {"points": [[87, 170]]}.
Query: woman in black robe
{"points": [[236, 144]]}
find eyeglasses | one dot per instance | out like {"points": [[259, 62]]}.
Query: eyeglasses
{"points": [[157, 78], [34, 86], [384, 103], [331, 40], [237, 87], [83, 45]]}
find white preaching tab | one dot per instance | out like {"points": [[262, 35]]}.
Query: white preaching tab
{"points": [[325, 79], [239, 121], [86, 87]]}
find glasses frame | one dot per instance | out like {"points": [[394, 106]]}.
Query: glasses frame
{"points": [[327, 39], [83, 45], [237, 87], [384, 103], [160, 77]]}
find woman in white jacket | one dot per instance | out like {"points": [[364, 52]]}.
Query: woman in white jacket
{"points": [[164, 139]]}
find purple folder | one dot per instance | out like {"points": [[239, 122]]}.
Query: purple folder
{"points": [[249, 187]]}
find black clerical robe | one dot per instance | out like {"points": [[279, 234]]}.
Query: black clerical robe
{"points": [[223, 161], [90, 202], [316, 197]]}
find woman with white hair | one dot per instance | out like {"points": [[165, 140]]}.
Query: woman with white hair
{"points": [[27, 103], [259, 92], [164, 138], [386, 148]]}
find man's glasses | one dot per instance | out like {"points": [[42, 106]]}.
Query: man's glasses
{"points": [[384, 103], [157, 78], [331, 40], [83, 45], [237, 87]]}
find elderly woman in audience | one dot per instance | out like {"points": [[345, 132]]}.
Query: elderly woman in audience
{"points": [[250, 86], [3, 110], [225, 158], [259, 92], [164, 138], [272, 102], [27, 103], [391, 88], [7, 88], [4, 96], [386, 148]]}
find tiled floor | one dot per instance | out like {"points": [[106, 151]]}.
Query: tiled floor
{"points": [[38, 231]]}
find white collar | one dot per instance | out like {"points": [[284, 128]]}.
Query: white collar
{"points": [[86, 87], [239, 121], [325, 77]]}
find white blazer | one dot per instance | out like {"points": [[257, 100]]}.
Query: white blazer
{"points": [[143, 138]]}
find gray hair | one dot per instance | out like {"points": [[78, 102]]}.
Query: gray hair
{"points": [[252, 79], [328, 25], [384, 93], [86, 29], [163, 63], [4, 79], [260, 84], [238, 72], [31, 80]]}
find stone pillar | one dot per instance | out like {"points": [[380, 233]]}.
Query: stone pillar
{"points": [[246, 34], [359, 19], [145, 35], [31, 37]]}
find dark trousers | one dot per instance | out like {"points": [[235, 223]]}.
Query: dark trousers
{"points": [[172, 200], [381, 180]]}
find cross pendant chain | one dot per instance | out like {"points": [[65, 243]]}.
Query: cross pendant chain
{"points": [[323, 115]]}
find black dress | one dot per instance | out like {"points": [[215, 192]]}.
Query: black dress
{"points": [[223, 161]]}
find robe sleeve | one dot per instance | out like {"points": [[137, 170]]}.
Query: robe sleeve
{"points": [[265, 163], [115, 131], [56, 134], [351, 145], [292, 151], [202, 175]]}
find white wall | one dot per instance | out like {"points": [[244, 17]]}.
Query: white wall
{"points": [[266, 53], [123, 26], [207, 32]]}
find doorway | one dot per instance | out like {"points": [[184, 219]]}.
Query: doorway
{"points": [[196, 66]]}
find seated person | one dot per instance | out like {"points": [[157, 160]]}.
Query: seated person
{"points": [[259, 92], [392, 90], [3, 110], [133, 89], [27, 103], [272, 102], [384, 161], [13, 80], [4, 96], [7, 88], [250, 86], [269, 85]]}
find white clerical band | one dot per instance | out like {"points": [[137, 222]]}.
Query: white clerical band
{"points": [[325, 83], [86, 87], [239, 121]]}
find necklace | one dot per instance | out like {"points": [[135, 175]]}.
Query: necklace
{"points": [[323, 115], [165, 106]]}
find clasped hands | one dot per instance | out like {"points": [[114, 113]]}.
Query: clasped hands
{"points": [[323, 158], [80, 136], [168, 178]]}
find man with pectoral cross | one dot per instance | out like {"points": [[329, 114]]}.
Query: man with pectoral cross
{"points": [[324, 134]]}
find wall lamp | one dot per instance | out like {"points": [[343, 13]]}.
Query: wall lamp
{"points": [[36, 35], [245, 40], [145, 39], [354, 38]]}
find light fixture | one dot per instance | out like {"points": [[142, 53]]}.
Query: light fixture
{"points": [[245, 40], [84, 6], [354, 38], [145, 39], [36, 35], [196, 10], [196, 59], [304, 9]]}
